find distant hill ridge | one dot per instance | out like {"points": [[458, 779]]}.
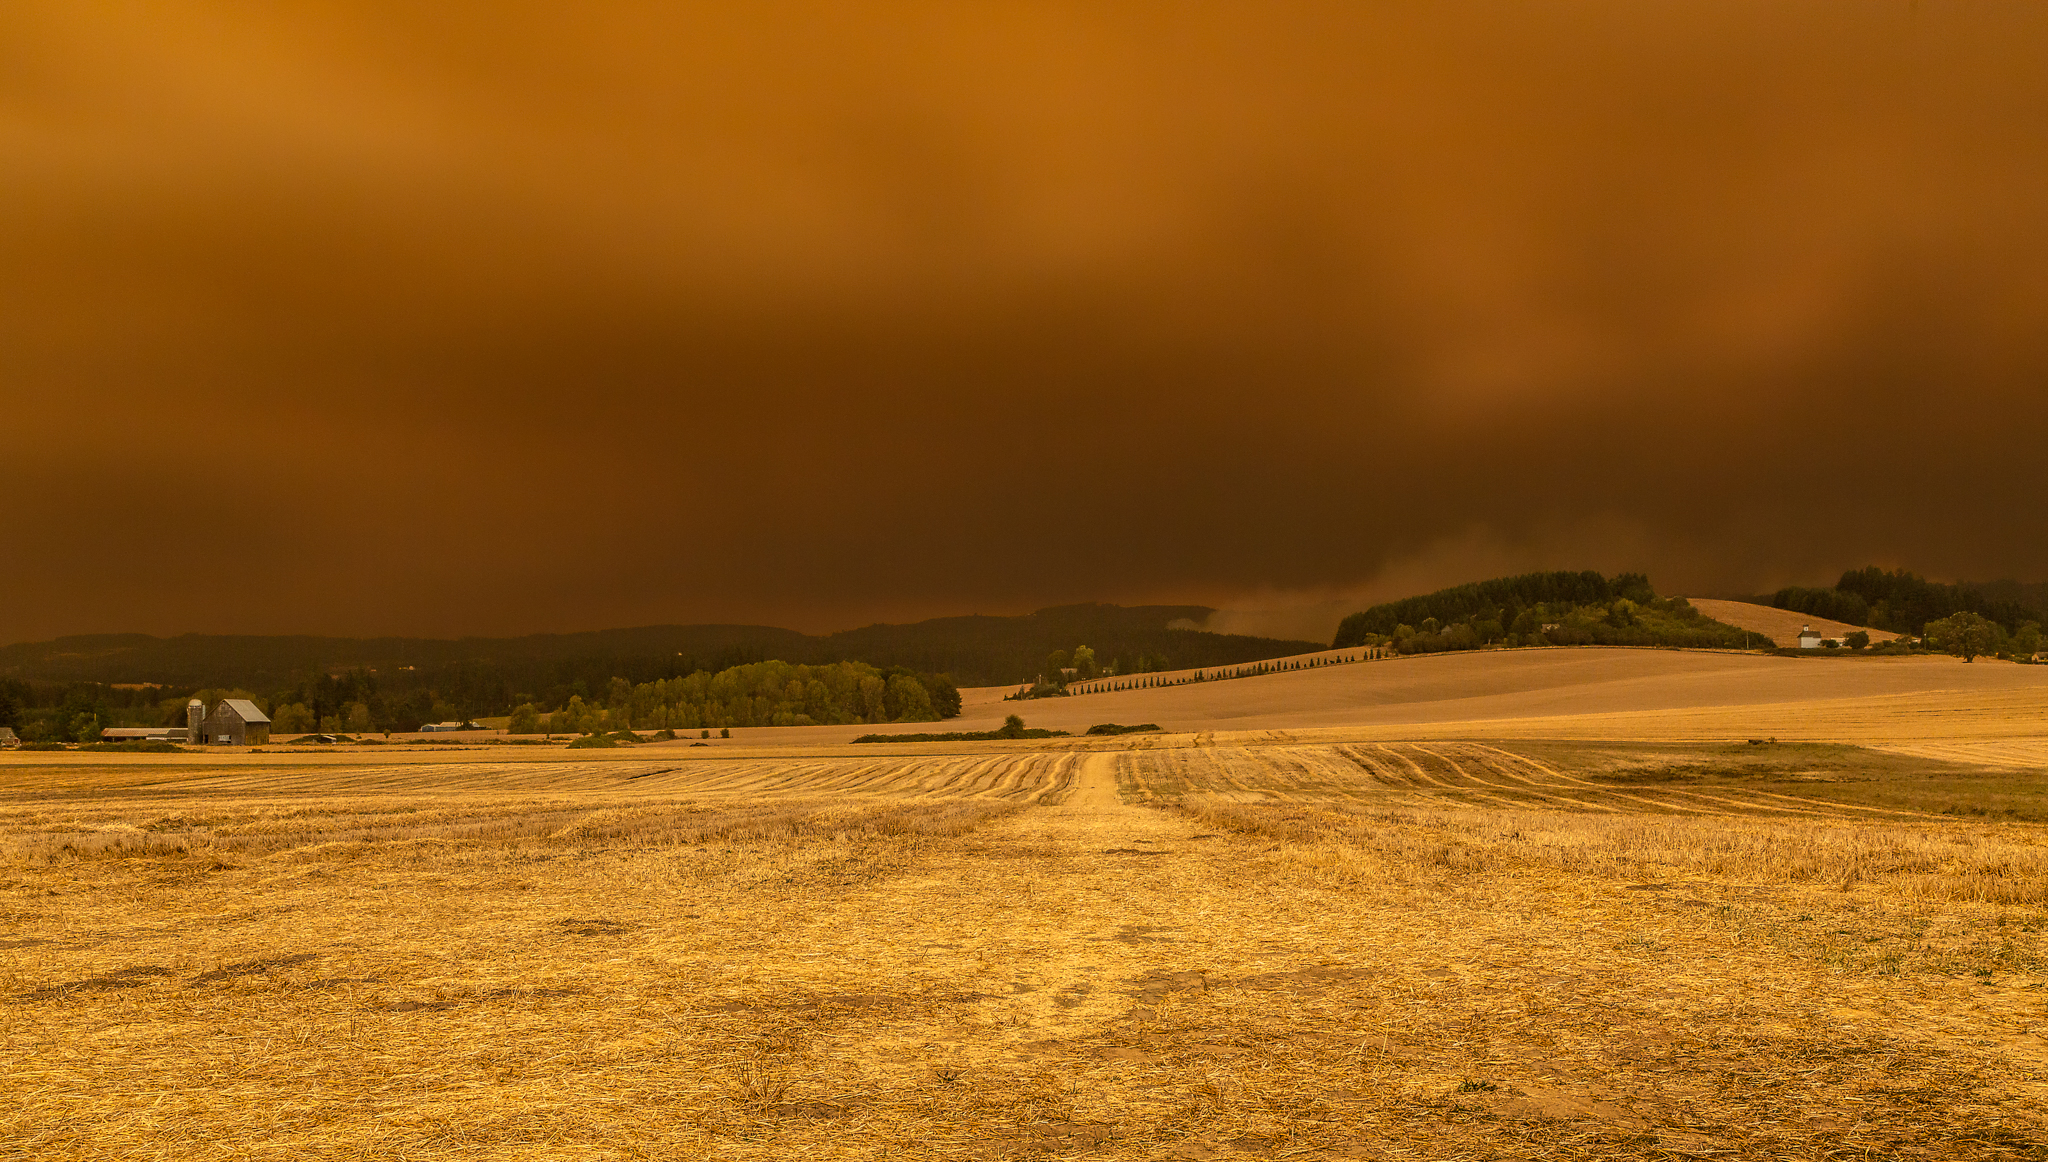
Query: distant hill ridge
{"points": [[975, 650]]}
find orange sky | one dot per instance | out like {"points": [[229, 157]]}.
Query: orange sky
{"points": [[495, 318]]}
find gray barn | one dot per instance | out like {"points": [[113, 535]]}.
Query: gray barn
{"points": [[236, 722]]}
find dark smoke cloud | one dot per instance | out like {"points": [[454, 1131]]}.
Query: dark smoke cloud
{"points": [[498, 318]]}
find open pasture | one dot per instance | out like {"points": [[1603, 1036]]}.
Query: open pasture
{"points": [[1183, 946]]}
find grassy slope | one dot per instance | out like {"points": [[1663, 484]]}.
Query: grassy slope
{"points": [[1782, 626]]}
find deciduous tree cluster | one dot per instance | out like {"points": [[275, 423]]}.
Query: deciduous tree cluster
{"points": [[1539, 609], [760, 694]]}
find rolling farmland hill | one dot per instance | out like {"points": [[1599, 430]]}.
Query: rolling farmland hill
{"points": [[1781, 626]]}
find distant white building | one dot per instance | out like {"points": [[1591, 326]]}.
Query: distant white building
{"points": [[1809, 638]]}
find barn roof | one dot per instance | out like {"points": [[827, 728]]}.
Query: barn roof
{"points": [[246, 711]]}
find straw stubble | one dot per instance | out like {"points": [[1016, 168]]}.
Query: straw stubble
{"points": [[1438, 949]]}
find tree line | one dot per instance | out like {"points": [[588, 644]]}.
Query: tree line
{"points": [[760, 694], [1113, 683], [757, 694], [1904, 602]]}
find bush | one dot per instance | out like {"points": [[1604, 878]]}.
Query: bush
{"points": [[1113, 728], [590, 741], [966, 736], [2027, 642]]}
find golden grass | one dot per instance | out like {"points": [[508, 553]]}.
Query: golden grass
{"points": [[1586, 692], [1159, 949], [1781, 626]]}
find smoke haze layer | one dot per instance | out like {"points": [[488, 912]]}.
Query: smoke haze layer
{"points": [[357, 318]]}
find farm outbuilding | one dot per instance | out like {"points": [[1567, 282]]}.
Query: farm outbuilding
{"points": [[7, 737], [234, 722], [1809, 638], [145, 734]]}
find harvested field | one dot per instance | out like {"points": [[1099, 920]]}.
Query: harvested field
{"points": [[1585, 692], [1782, 626], [1262, 943]]}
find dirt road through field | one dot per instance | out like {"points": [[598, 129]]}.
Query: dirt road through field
{"points": [[1095, 796], [1087, 912]]}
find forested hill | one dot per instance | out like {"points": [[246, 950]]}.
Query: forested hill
{"points": [[976, 651], [1559, 609]]}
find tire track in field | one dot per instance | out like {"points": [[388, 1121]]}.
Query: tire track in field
{"points": [[1545, 796], [1417, 786], [1334, 772], [1239, 787], [1590, 787], [2009, 755], [1853, 806], [1631, 796], [1383, 776], [1834, 809], [1415, 768]]}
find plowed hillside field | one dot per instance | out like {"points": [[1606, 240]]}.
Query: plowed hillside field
{"points": [[1589, 692], [1782, 626]]}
